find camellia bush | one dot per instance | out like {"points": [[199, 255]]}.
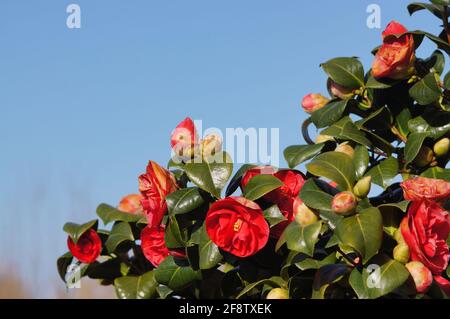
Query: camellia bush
{"points": [[196, 231]]}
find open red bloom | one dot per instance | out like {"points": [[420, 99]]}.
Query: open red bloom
{"points": [[87, 248], [425, 230], [422, 188], [153, 245], [268, 170], [395, 59], [154, 186], [237, 225]]}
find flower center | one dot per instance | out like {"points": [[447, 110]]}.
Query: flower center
{"points": [[237, 225]]}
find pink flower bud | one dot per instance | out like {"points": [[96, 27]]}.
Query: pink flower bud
{"points": [[211, 145], [314, 102], [346, 148], [422, 276], [339, 91], [344, 203], [302, 214], [184, 138]]}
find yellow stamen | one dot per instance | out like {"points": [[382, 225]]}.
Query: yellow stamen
{"points": [[237, 225]]}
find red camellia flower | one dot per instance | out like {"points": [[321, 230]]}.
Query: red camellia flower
{"points": [[184, 138], [87, 248], [395, 59], [425, 230], [422, 188], [154, 186], [293, 183], [268, 170], [153, 245], [237, 225], [130, 203]]}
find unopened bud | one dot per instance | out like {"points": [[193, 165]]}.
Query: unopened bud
{"points": [[399, 237], [424, 158], [345, 148], [278, 293], [344, 203], [442, 147], [401, 253], [303, 215], [211, 145], [362, 188], [422, 275], [314, 102], [339, 91]]}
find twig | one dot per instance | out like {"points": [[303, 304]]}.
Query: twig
{"points": [[347, 257], [305, 131]]}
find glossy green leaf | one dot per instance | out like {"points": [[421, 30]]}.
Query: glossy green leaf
{"points": [[413, 146], [302, 238], [310, 263], [363, 232], [347, 130], [417, 6], [110, 214], [175, 276], [212, 174], [273, 215], [62, 263], [348, 72], [235, 180], [447, 81], [335, 166], [121, 232], [260, 185], [435, 123], [136, 287], [402, 120], [329, 114], [274, 282], [361, 161], [174, 237], [426, 91], [209, 253], [297, 154], [383, 173], [75, 231], [380, 119], [184, 201], [437, 173], [314, 197]]}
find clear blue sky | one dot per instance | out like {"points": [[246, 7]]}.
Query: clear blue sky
{"points": [[83, 110]]}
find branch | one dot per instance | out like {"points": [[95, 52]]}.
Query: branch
{"points": [[305, 131]]}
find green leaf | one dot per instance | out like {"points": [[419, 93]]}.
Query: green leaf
{"points": [[447, 81], [380, 278], [347, 130], [379, 84], [413, 145], [211, 174], [326, 276], [174, 237], [426, 91], [302, 238], [435, 123], [174, 276], [208, 251], [417, 6], [402, 120], [383, 173], [274, 282], [437, 173], [297, 154], [184, 201], [436, 62], [441, 3], [348, 72], [260, 185], [361, 161], [419, 35], [363, 232], [335, 166], [273, 215], [121, 232], [381, 119], [75, 231], [314, 197], [110, 214], [329, 114], [62, 263], [136, 287], [235, 180], [310, 263]]}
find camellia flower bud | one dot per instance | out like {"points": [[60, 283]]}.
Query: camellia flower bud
{"points": [[345, 148], [278, 293], [401, 253], [314, 102], [302, 214], [424, 157], [422, 275], [211, 145], [399, 237], [339, 91], [344, 203], [323, 138], [362, 188], [442, 147]]}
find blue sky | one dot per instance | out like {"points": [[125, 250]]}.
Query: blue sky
{"points": [[83, 110]]}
